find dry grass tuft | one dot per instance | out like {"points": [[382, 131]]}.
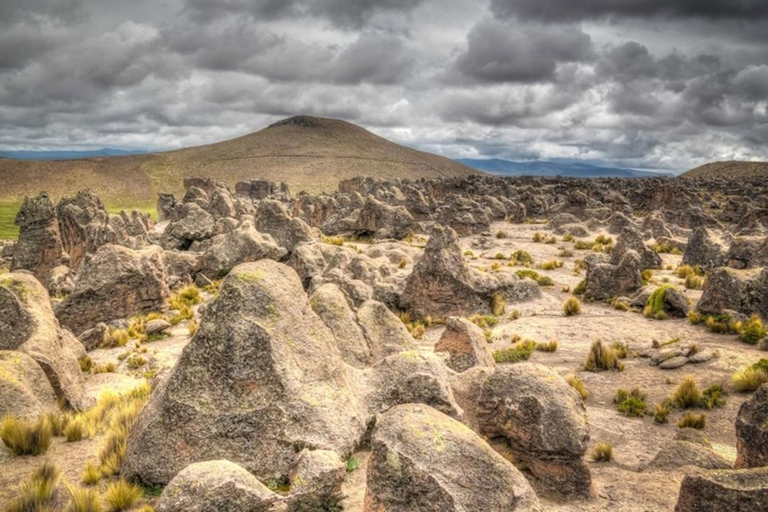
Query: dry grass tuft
{"points": [[498, 306], [39, 492], [23, 437], [122, 495], [660, 413], [752, 377], [687, 394], [692, 420], [631, 403], [602, 358], [602, 452], [571, 306], [91, 474], [83, 500], [547, 347], [578, 384]]}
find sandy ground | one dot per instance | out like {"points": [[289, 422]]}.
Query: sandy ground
{"points": [[620, 485]]}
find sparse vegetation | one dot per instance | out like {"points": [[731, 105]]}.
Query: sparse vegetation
{"points": [[571, 306], [660, 413], [520, 352], [333, 240], [122, 495], [83, 500], [352, 464], [602, 358], [694, 282], [753, 331], [538, 237], [75, 430], [91, 474], [23, 437], [602, 452], [39, 492], [631, 403], [687, 394], [692, 420], [501, 234], [498, 306], [654, 306], [580, 288], [521, 257], [752, 377], [551, 265], [547, 346], [578, 384], [532, 274], [86, 363]]}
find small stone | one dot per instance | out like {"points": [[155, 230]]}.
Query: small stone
{"points": [[675, 362]]}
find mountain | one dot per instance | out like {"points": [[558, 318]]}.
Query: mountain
{"points": [[542, 168], [730, 169], [66, 155], [310, 153]]}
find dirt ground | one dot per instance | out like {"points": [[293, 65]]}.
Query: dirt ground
{"points": [[621, 485]]}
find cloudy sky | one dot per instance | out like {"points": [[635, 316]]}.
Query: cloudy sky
{"points": [[641, 83]]}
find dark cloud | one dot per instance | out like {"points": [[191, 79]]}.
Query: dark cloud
{"points": [[12, 11], [569, 10]]}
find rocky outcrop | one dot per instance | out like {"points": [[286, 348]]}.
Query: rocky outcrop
{"points": [[442, 284], [316, 481], [381, 220], [631, 240], [262, 376], [272, 218], [687, 449], [605, 280], [117, 282], [423, 460], [218, 485], [24, 389], [39, 246], [330, 304], [385, 333], [465, 344], [751, 436], [742, 490], [243, 245], [27, 325], [542, 420], [736, 290]]}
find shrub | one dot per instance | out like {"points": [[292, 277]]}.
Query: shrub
{"points": [[484, 320], [571, 306], [86, 363], [578, 384], [695, 317], [568, 237], [547, 347], [602, 452], [58, 422], [692, 420], [352, 464], [654, 306], [498, 306], [83, 500], [751, 378], [712, 397], [660, 413], [601, 358], [26, 438], [520, 352], [538, 237], [687, 394], [551, 240], [115, 338], [91, 474], [603, 240], [75, 430], [551, 265], [183, 312], [582, 245], [333, 240], [39, 492], [684, 271], [753, 331], [631, 403], [135, 361], [721, 324], [621, 349], [501, 234], [521, 256], [580, 288], [121, 495], [694, 282], [565, 253]]}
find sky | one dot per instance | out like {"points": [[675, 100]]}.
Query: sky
{"points": [[664, 84]]}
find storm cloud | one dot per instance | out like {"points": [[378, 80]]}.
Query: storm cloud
{"points": [[641, 83]]}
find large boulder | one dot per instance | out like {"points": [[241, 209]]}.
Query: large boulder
{"points": [[330, 303], [740, 490], [216, 485], [243, 245], [604, 280], [261, 376], [192, 224], [384, 221], [385, 333], [752, 431], [542, 420], [273, 218], [688, 448], [631, 240], [423, 461], [704, 250], [24, 389], [316, 481], [39, 246], [116, 282], [27, 324], [442, 284], [736, 290], [465, 343]]}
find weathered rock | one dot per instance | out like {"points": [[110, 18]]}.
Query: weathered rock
{"points": [[94, 337], [680, 453], [442, 284], [631, 239], [385, 333], [157, 326], [604, 280], [243, 245], [752, 431], [542, 420], [316, 481], [740, 490], [384, 221], [423, 461], [262, 376], [117, 282], [39, 246], [465, 342], [330, 304], [704, 250], [193, 224], [273, 219], [24, 389], [27, 324], [737, 290], [216, 485], [673, 363]]}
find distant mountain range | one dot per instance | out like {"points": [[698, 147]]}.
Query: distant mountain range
{"points": [[541, 168], [67, 155]]}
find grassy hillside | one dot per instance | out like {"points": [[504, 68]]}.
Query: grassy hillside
{"points": [[730, 169], [310, 153]]}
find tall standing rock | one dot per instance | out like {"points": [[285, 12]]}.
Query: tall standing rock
{"points": [[752, 431], [442, 284], [117, 282], [329, 302], [39, 247], [704, 250], [542, 420], [424, 461], [465, 342], [261, 379]]}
